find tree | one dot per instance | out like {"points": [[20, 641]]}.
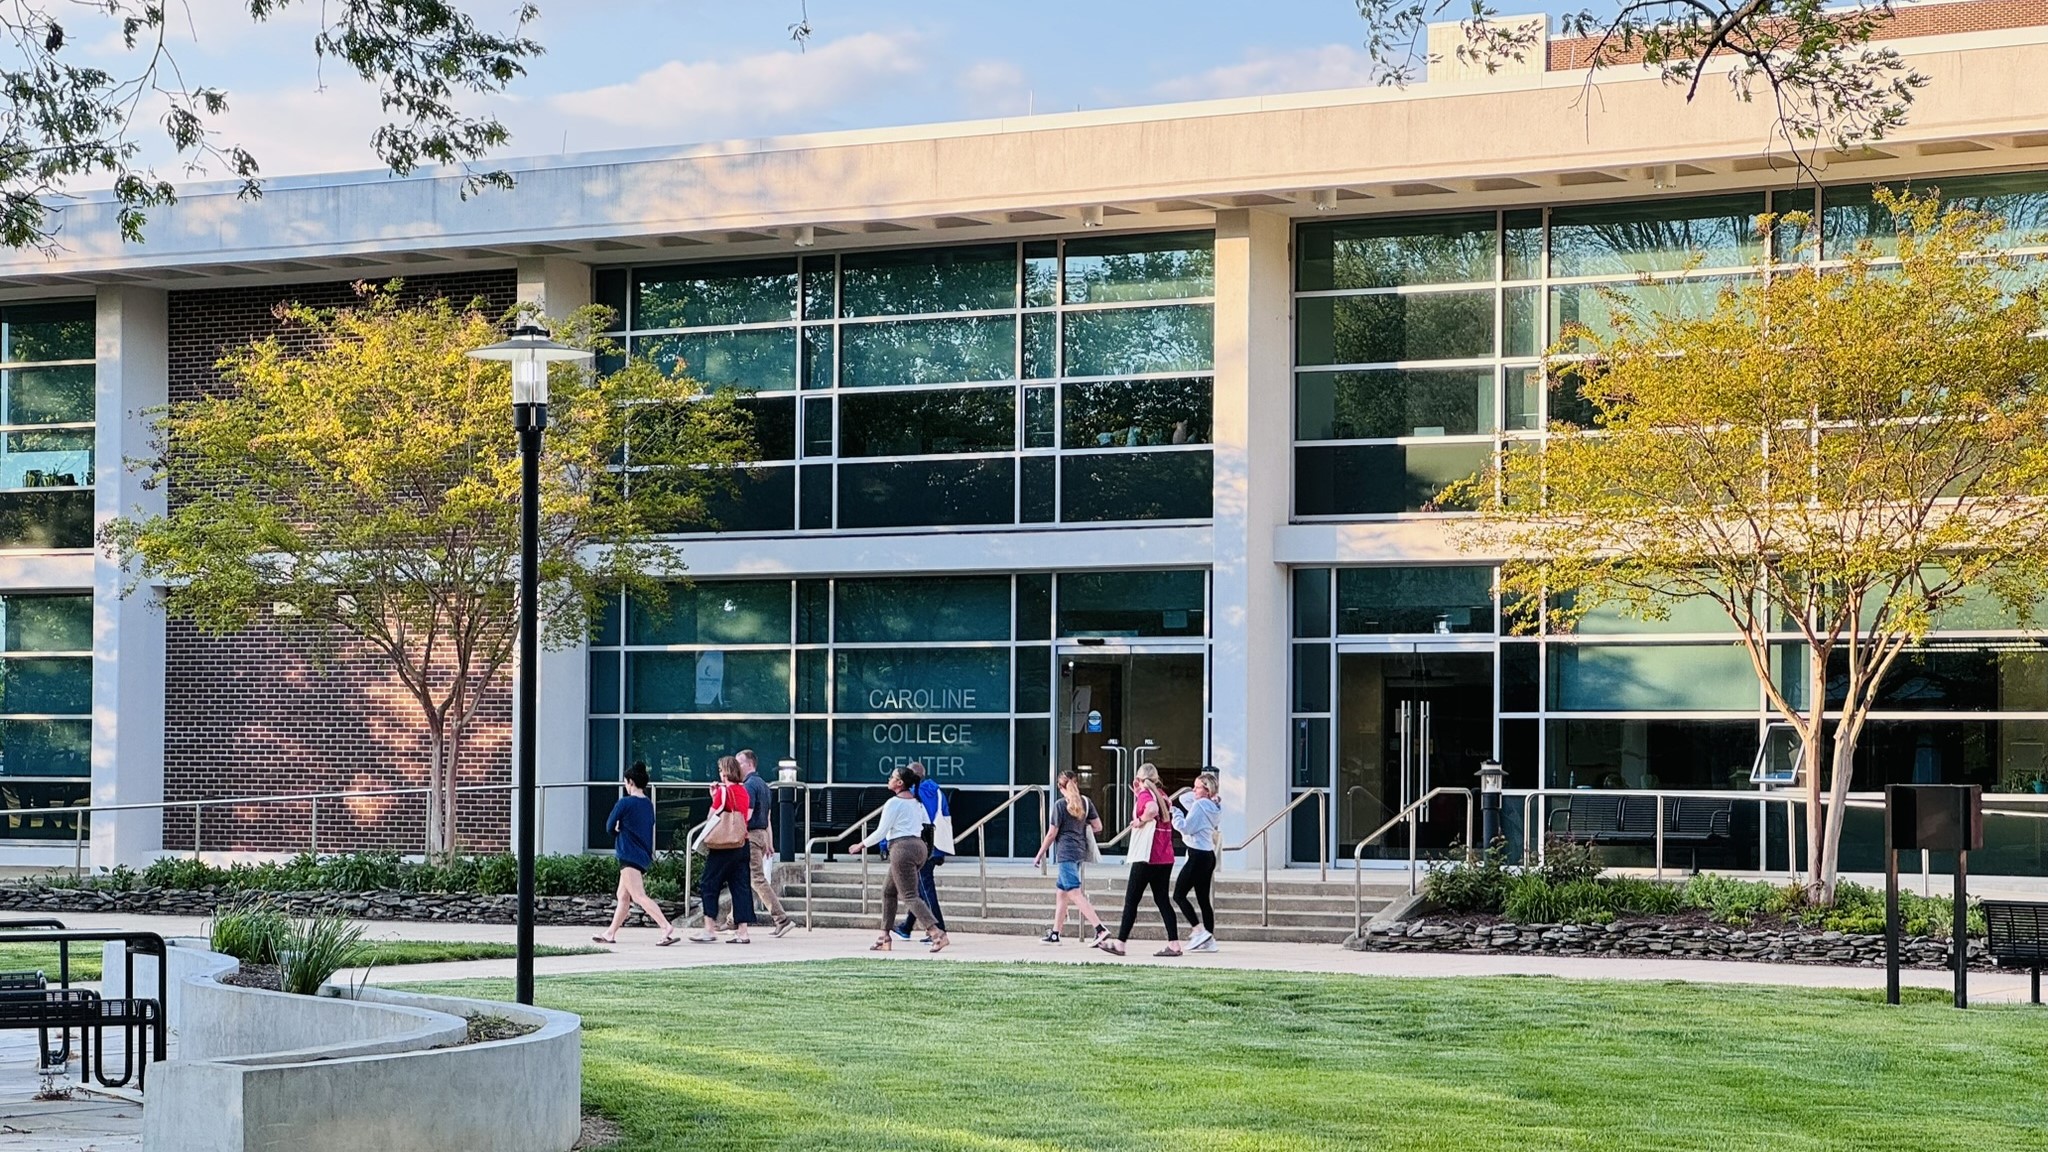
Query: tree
{"points": [[64, 119], [370, 488], [1814, 61], [1845, 453]]}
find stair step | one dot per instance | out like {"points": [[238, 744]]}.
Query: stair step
{"points": [[1147, 936]]}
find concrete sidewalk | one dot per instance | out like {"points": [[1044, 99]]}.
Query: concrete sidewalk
{"points": [[636, 952]]}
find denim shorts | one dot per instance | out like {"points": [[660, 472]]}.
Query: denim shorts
{"points": [[1070, 875]]}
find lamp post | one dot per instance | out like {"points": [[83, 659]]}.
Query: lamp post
{"points": [[787, 784], [1491, 779], [529, 350]]}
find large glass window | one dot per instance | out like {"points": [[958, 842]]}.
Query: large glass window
{"points": [[46, 425], [918, 358], [45, 714]]}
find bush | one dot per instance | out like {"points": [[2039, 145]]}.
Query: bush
{"points": [[1567, 861], [1860, 909], [575, 875], [1731, 901], [1468, 882], [250, 931], [359, 871], [182, 872], [314, 949], [497, 875], [1634, 896]]}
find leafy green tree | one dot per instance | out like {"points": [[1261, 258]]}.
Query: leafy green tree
{"points": [[1844, 453], [370, 488]]}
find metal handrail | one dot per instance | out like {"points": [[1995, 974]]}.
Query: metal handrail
{"points": [[1538, 837], [1411, 815], [981, 857], [1322, 799], [812, 842]]}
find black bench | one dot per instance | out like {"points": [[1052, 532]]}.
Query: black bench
{"points": [[1626, 818], [2017, 932]]}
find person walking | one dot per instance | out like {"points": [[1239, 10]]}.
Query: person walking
{"points": [[1202, 817], [1070, 837], [761, 844], [899, 831], [939, 813], [1151, 861], [632, 827], [725, 855]]}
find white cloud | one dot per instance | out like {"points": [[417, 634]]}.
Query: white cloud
{"points": [[775, 92], [993, 88], [1305, 70]]}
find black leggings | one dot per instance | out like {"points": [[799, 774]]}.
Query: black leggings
{"points": [[1155, 877], [1195, 875]]}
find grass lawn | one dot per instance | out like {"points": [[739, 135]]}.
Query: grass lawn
{"points": [[85, 958], [854, 1056]]}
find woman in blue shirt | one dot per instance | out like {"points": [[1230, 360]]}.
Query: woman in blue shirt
{"points": [[1203, 816], [632, 827]]}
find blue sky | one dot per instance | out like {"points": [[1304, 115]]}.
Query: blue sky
{"points": [[639, 73]]}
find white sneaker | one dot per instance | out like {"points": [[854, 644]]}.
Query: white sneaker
{"points": [[1208, 944], [1200, 938]]}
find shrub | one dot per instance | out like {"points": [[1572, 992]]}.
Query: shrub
{"points": [[1468, 882], [1731, 901], [359, 871], [250, 931], [497, 875], [182, 872], [1567, 861], [314, 949], [575, 875], [1638, 897]]}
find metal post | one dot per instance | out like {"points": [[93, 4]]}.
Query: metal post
{"points": [[529, 419], [1413, 832], [1891, 910], [1960, 940], [1323, 835], [807, 860], [78, 850], [1660, 835], [316, 826], [198, 811]]}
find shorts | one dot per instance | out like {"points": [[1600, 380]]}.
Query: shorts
{"points": [[1070, 875]]}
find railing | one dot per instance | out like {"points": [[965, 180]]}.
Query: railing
{"points": [[1322, 799], [1536, 832], [810, 845], [975, 829], [1412, 816]]}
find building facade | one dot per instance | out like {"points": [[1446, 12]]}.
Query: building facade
{"points": [[1119, 426]]}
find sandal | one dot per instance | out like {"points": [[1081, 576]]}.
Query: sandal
{"points": [[604, 940], [1113, 947], [885, 944], [704, 938], [939, 941], [740, 940], [665, 941], [1168, 952]]}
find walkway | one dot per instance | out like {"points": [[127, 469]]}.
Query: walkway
{"points": [[636, 952]]}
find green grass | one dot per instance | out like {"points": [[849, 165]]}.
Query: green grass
{"points": [[85, 958], [857, 1056]]}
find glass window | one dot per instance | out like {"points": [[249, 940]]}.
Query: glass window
{"points": [[818, 432], [1133, 341], [928, 280], [1116, 269], [51, 685], [953, 751], [1522, 244], [1445, 600], [1036, 498], [818, 358], [1388, 327], [1311, 677], [714, 295], [1391, 252], [1034, 606], [46, 747], [1851, 213], [1136, 413], [55, 459], [604, 683], [714, 612], [1034, 679], [1656, 235], [1522, 321], [820, 288], [35, 332], [46, 519], [813, 611], [1951, 676], [927, 423], [1652, 678], [816, 489], [716, 680], [1692, 614], [922, 681], [928, 610], [759, 499], [1594, 306], [774, 426], [966, 350], [48, 623], [927, 492], [1041, 273], [1311, 602], [813, 673], [760, 359], [1038, 418], [61, 395], [1390, 403], [608, 290], [688, 750], [1105, 486], [1381, 479], [1132, 603], [1041, 345], [1677, 754], [1520, 677]]}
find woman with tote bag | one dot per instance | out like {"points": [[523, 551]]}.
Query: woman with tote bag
{"points": [[1151, 861], [726, 866]]}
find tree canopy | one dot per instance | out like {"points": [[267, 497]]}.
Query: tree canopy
{"points": [[1834, 455]]}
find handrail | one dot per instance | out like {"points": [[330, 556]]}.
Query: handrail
{"points": [[1322, 799], [828, 841], [1538, 838], [981, 857], [1409, 815]]}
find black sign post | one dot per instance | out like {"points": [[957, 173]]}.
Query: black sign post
{"points": [[1931, 818]]}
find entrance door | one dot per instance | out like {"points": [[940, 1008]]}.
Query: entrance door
{"points": [[1409, 722], [1119, 709]]}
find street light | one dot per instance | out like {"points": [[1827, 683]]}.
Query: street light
{"points": [[529, 350], [1491, 779]]}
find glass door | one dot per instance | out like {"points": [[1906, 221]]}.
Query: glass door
{"points": [[1120, 708], [1409, 721]]}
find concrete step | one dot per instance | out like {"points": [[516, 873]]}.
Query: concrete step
{"points": [[1146, 936], [1042, 896]]}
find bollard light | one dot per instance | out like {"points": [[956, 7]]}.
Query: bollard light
{"points": [[1492, 781], [786, 770]]}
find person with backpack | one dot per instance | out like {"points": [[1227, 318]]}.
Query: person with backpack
{"points": [[1203, 815], [900, 830], [632, 827], [1070, 837], [725, 855], [1151, 861], [939, 810]]}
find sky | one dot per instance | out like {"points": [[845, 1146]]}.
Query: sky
{"points": [[648, 73]]}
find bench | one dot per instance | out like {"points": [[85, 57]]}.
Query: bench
{"points": [[2017, 932], [1631, 818]]}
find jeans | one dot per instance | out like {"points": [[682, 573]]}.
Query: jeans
{"points": [[1155, 877], [1196, 874], [928, 888], [725, 870]]}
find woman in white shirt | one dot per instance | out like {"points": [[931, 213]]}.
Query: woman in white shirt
{"points": [[900, 832], [1198, 828]]}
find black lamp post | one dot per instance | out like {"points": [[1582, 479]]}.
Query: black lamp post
{"points": [[529, 350]]}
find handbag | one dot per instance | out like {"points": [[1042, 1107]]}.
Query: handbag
{"points": [[1093, 855], [1141, 842], [728, 830]]}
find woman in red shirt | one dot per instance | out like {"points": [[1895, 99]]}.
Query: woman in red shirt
{"points": [[1150, 867], [726, 868]]}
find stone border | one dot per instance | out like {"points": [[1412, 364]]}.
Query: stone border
{"points": [[1640, 938], [448, 907]]}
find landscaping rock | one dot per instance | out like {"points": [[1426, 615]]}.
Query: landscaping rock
{"points": [[459, 908], [1649, 938]]}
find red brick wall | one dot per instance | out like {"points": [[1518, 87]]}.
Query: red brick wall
{"points": [[1906, 22], [256, 714]]}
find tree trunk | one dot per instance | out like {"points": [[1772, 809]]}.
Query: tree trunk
{"points": [[437, 759], [1810, 757], [451, 837], [1846, 733]]}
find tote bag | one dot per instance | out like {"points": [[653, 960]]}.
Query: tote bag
{"points": [[729, 830]]}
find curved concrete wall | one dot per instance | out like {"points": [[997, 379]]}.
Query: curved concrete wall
{"points": [[257, 1071]]}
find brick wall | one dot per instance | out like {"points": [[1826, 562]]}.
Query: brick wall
{"points": [[256, 713], [1907, 21]]}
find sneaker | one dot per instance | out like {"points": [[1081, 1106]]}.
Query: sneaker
{"points": [[1049, 938], [901, 933], [782, 928], [1207, 945], [1101, 934], [925, 940], [1200, 938]]}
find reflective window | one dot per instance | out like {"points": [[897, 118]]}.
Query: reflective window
{"points": [[1393, 403], [1594, 306], [759, 359], [928, 352], [1135, 486], [713, 295], [688, 750], [1396, 251], [1652, 678], [713, 612], [910, 610], [953, 751], [1387, 327], [922, 681], [1119, 269], [935, 492], [1380, 479], [46, 737], [1131, 341], [711, 680], [1136, 413], [1647, 753], [1132, 603], [1851, 213], [1656, 235], [928, 280], [1432, 600], [946, 421], [47, 406]]}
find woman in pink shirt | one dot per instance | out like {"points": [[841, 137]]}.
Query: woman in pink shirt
{"points": [[1154, 869]]}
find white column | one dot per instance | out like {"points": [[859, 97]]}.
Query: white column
{"points": [[1249, 668], [560, 287], [132, 333]]}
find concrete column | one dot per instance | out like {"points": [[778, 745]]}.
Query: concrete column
{"points": [[1249, 667], [560, 287], [133, 341]]}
